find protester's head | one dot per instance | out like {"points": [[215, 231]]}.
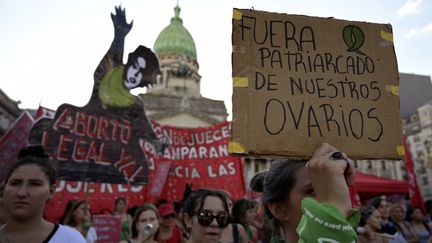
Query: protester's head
{"points": [[120, 205], [370, 216], [29, 184], [67, 209], [244, 212], [34, 155], [382, 205], [397, 213], [79, 214], [283, 188], [167, 214], [144, 215], [205, 215], [415, 214]]}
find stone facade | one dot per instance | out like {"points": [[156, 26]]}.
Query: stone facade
{"points": [[184, 111], [420, 143], [392, 169], [9, 112]]}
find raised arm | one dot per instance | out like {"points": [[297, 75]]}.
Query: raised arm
{"points": [[114, 56]]}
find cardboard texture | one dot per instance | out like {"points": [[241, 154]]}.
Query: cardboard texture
{"points": [[299, 81]]}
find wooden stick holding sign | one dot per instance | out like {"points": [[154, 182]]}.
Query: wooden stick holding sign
{"points": [[299, 81]]}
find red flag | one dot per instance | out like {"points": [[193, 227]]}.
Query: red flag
{"points": [[414, 191], [158, 183], [355, 198], [44, 112], [13, 140]]}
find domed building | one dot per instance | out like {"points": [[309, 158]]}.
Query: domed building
{"points": [[176, 100]]}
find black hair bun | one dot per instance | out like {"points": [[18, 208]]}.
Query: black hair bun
{"points": [[33, 151], [257, 182]]}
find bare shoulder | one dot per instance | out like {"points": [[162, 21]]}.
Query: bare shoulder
{"points": [[241, 228], [242, 233]]}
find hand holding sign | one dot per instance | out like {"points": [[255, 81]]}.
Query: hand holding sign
{"points": [[328, 178]]}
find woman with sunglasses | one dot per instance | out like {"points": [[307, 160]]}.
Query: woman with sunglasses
{"points": [[205, 216], [308, 201]]}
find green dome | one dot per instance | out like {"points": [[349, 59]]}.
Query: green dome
{"points": [[175, 38]]}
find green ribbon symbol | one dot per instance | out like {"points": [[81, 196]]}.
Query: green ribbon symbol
{"points": [[354, 38]]}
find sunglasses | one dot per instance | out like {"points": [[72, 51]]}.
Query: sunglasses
{"points": [[205, 218]]}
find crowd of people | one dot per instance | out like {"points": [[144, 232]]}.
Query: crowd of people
{"points": [[383, 221], [302, 201]]}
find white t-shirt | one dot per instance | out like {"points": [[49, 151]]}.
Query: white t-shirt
{"points": [[91, 235], [64, 234]]}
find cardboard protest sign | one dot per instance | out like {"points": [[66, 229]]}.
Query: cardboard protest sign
{"points": [[107, 228], [102, 141], [299, 81]]}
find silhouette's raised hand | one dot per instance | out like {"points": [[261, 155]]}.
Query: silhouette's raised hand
{"points": [[119, 20]]}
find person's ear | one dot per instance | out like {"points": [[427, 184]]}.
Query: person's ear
{"points": [[279, 211]]}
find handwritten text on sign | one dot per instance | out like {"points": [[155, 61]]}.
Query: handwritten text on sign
{"points": [[312, 80]]}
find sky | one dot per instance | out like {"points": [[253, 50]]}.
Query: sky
{"points": [[49, 49]]}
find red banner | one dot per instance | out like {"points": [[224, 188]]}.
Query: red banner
{"points": [[198, 156], [161, 174], [100, 195], [13, 140]]}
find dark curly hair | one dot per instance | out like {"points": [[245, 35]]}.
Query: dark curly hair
{"points": [[34, 154]]}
